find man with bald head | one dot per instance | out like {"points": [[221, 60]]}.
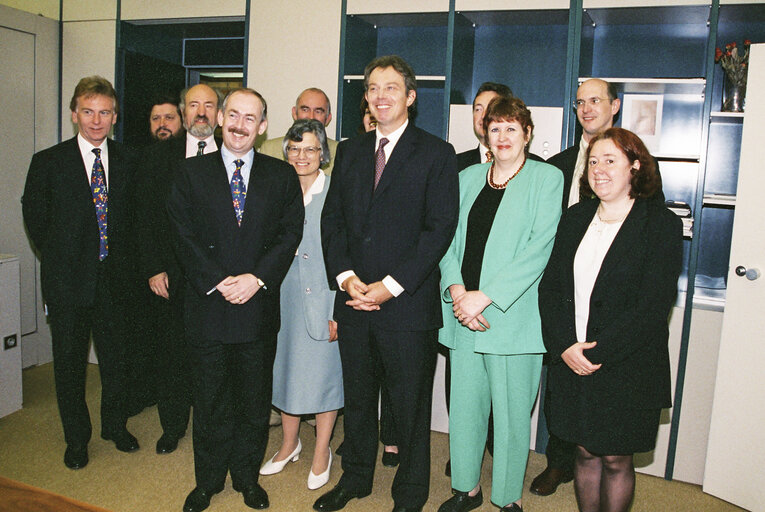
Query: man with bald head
{"points": [[313, 103], [158, 266]]}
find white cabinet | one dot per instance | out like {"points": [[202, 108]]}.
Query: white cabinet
{"points": [[10, 335]]}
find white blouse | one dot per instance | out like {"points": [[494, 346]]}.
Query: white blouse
{"points": [[587, 261]]}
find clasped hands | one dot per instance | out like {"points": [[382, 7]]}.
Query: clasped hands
{"points": [[468, 307], [574, 357], [366, 297], [238, 289]]}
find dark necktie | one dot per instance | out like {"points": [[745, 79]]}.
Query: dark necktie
{"points": [[201, 144], [238, 190], [380, 160], [100, 199]]}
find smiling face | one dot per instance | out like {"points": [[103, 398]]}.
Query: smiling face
{"points": [[305, 156], [242, 122], [94, 117], [609, 171], [200, 111], [312, 105], [164, 121], [479, 109], [596, 114], [507, 140], [388, 99]]}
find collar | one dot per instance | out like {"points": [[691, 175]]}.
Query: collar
{"points": [[316, 187], [87, 147], [229, 157], [482, 150], [392, 137]]}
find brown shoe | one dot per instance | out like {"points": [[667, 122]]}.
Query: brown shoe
{"points": [[548, 481]]}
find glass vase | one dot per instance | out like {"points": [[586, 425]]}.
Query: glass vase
{"points": [[734, 96]]}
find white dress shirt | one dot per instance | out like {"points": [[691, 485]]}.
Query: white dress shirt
{"points": [[192, 145], [581, 165], [89, 158]]}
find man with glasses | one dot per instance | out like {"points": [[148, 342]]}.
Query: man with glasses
{"points": [[76, 209], [313, 103]]}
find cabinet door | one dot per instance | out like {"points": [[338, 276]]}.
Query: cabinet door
{"points": [[735, 450]]}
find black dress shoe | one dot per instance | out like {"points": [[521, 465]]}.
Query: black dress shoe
{"points": [[76, 458], [167, 443], [548, 481], [123, 440], [198, 500], [513, 507], [462, 502], [255, 497], [390, 459], [336, 499]]}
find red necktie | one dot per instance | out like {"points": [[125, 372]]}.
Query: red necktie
{"points": [[380, 160]]}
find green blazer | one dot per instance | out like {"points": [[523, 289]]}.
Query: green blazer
{"points": [[517, 250]]}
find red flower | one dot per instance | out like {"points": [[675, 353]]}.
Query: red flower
{"points": [[747, 42], [733, 44], [718, 54], [729, 46]]}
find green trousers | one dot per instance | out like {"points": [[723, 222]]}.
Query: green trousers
{"points": [[509, 384]]}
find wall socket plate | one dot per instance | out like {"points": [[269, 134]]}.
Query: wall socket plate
{"points": [[10, 342]]}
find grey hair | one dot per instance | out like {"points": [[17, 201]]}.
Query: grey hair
{"points": [[184, 92], [301, 126], [247, 90]]}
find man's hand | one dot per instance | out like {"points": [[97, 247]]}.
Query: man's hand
{"points": [[357, 290], [332, 330], [238, 289], [379, 293], [574, 357], [159, 284]]}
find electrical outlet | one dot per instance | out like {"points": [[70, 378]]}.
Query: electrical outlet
{"points": [[10, 342]]}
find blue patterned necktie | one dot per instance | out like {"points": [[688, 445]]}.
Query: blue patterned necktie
{"points": [[100, 199], [238, 190]]}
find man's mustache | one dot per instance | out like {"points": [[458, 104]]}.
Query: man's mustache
{"points": [[239, 131]]}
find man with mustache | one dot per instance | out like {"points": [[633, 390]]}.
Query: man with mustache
{"points": [[237, 220], [167, 362], [164, 118]]}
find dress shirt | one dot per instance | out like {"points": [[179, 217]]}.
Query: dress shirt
{"points": [[579, 168], [228, 161], [482, 150], [391, 284], [316, 187], [192, 145], [86, 150]]}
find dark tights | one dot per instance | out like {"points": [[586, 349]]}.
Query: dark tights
{"points": [[604, 483]]}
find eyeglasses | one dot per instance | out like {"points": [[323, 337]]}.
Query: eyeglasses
{"points": [[589, 101], [310, 151]]}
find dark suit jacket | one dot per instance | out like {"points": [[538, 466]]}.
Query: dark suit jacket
{"points": [[473, 156], [566, 162], [401, 229], [60, 217], [631, 300], [211, 246]]}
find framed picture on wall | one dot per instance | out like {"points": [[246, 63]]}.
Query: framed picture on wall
{"points": [[641, 114]]}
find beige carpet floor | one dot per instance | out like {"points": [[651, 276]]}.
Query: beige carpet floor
{"points": [[32, 448]]}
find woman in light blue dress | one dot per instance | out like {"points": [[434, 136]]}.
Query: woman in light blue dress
{"points": [[308, 377]]}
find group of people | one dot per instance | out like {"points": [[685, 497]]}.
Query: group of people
{"points": [[277, 285]]}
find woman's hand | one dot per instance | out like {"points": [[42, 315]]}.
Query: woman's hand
{"points": [[332, 331], [574, 357], [468, 309], [456, 291]]}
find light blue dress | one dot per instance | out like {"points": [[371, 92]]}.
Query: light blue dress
{"points": [[307, 374]]}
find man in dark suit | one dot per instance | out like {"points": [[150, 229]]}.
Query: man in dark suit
{"points": [[486, 92], [76, 208], [167, 362], [237, 217], [390, 214]]}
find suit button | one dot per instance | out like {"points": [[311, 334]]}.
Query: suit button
{"points": [[305, 221], [308, 290], [305, 256]]}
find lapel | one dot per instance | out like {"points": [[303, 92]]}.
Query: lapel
{"points": [[74, 166], [257, 188], [624, 245], [579, 220], [398, 158], [365, 167], [114, 182], [220, 192]]}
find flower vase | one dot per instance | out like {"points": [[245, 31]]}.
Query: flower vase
{"points": [[734, 96]]}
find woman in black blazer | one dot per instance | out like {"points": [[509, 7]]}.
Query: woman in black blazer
{"points": [[605, 299]]}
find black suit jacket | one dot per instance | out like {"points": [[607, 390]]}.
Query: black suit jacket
{"points": [[211, 246], [630, 302], [566, 162], [401, 229], [473, 156], [61, 220]]}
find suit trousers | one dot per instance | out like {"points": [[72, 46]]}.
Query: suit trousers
{"points": [[71, 328], [508, 385], [232, 405], [388, 435], [172, 365], [403, 362]]}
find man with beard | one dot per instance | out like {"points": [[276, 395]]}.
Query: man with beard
{"points": [[162, 358], [164, 118], [237, 220]]}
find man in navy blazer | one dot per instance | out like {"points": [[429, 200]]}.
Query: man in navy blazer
{"points": [[76, 209], [237, 217], [390, 214]]}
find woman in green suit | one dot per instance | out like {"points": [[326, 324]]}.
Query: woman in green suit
{"points": [[509, 211]]}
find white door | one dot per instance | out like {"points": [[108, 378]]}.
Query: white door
{"points": [[736, 446]]}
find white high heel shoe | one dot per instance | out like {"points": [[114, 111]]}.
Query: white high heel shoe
{"points": [[272, 467], [316, 481]]}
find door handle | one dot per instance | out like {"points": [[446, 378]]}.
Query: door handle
{"points": [[750, 273]]}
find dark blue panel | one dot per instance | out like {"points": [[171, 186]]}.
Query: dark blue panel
{"points": [[353, 91], [714, 251], [585, 50], [462, 61], [649, 51], [361, 42], [424, 48], [430, 109], [723, 157], [530, 59]]}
